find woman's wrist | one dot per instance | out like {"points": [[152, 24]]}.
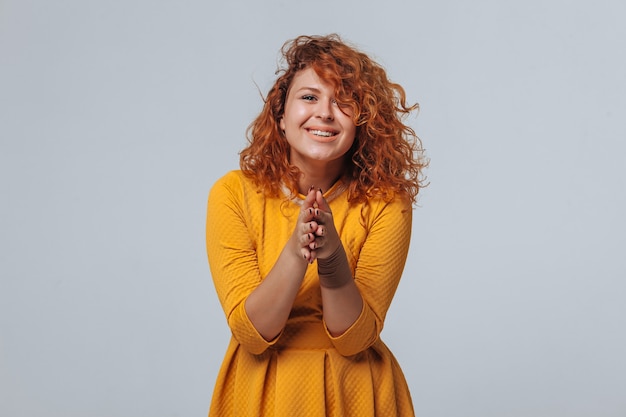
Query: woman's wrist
{"points": [[334, 271]]}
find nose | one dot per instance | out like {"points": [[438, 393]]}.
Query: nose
{"points": [[325, 110]]}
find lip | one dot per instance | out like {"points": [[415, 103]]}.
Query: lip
{"points": [[334, 133]]}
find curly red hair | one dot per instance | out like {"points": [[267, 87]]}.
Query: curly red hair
{"points": [[386, 158]]}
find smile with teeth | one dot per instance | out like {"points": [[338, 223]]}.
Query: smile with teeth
{"points": [[323, 133]]}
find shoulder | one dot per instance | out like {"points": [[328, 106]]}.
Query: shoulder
{"points": [[398, 205], [233, 182], [229, 188], [374, 211], [234, 178], [237, 191], [382, 213]]}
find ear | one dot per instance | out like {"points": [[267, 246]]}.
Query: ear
{"points": [[281, 123]]}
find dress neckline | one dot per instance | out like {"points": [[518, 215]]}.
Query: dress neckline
{"points": [[337, 189]]}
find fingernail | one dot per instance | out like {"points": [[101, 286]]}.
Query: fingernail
{"points": [[311, 188], [321, 190]]}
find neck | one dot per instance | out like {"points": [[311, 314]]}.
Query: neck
{"points": [[321, 176]]}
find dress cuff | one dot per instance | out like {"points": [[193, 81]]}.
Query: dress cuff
{"points": [[360, 336], [246, 334]]}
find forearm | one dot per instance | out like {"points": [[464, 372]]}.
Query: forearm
{"points": [[269, 305], [341, 298]]}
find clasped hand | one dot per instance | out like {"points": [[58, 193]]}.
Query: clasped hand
{"points": [[315, 231]]}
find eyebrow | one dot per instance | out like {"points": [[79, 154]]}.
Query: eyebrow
{"points": [[312, 89]]}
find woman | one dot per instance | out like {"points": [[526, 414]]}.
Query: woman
{"points": [[307, 242]]}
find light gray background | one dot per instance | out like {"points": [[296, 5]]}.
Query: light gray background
{"points": [[116, 117]]}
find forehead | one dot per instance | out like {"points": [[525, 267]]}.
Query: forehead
{"points": [[308, 79]]}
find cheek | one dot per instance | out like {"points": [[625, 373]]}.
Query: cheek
{"points": [[353, 132], [350, 143], [291, 116], [349, 128]]}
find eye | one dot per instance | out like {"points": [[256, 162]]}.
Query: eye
{"points": [[344, 107], [308, 97], [339, 104]]}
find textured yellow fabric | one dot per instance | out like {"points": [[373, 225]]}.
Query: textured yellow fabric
{"points": [[305, 371]]}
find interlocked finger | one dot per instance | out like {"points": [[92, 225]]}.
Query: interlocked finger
{"points": [[307, 239], [317, 243], [310, 227]]}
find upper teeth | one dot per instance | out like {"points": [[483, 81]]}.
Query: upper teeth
{"points": [[321, 133]]}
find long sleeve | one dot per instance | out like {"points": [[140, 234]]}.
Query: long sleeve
{"points": [[379, 266], [233, 259]]}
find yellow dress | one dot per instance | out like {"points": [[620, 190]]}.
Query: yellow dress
{"points": [[305, 372]]}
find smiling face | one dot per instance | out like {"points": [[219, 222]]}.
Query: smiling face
{"points": [[317, 129]]}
